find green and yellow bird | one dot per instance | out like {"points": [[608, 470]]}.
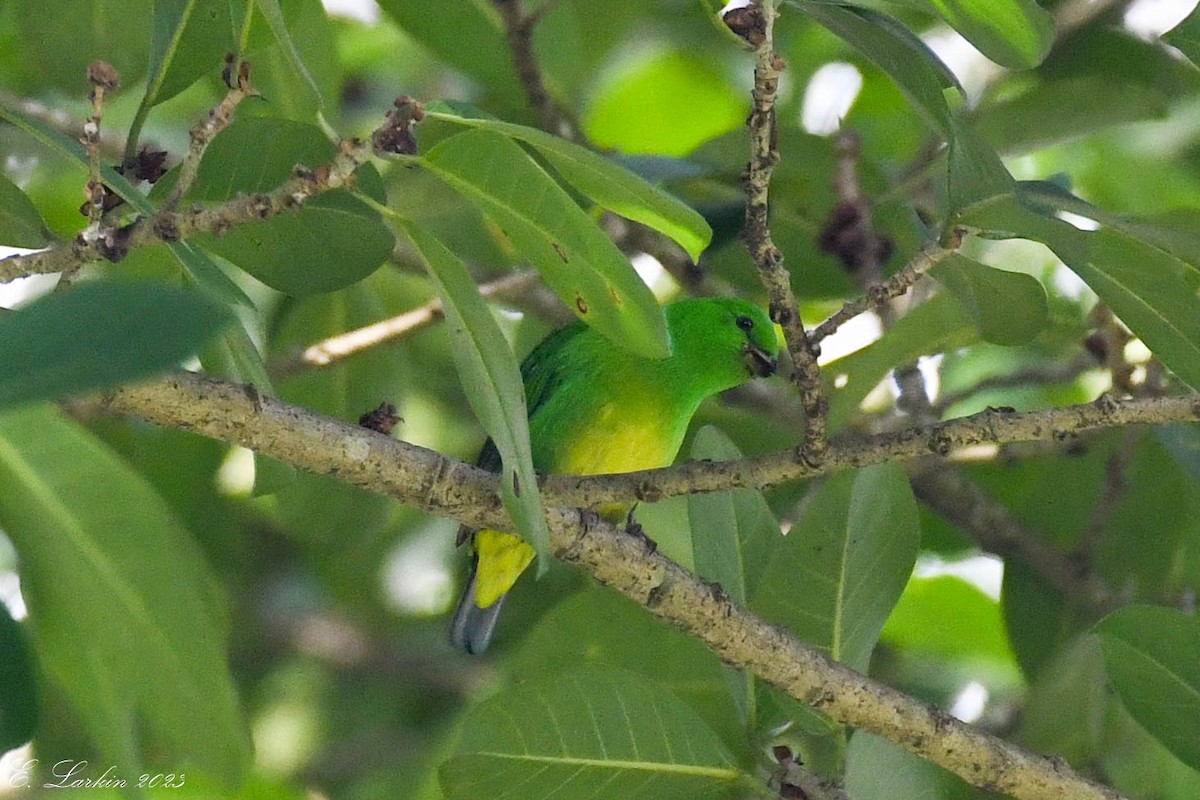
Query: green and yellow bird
{"points": [[596, 408]]}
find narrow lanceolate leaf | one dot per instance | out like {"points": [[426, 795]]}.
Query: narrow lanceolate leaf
{"points": [[917, 72], [1152, 656], [99, 335], [18, 687], [607, 183], [1014, 33], [273, 13], [975, 171], [1009, 308], [196, 262], [590, 733], [20, 223], [845, 563], [123, 613], [492, 380], [576, 259]]}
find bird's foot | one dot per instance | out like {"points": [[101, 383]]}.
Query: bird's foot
{"points": [[635, 529]]}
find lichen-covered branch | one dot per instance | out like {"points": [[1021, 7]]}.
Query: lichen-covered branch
{"points": [[444, 486], [756, 24]]}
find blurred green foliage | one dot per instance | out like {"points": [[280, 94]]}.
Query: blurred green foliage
{"points": [[197, 614]]}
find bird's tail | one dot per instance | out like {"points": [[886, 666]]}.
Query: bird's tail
{"points": [[472, 626]]}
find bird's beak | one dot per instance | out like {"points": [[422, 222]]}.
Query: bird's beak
{"points": [[759, 362]]}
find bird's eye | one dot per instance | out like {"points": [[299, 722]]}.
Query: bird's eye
{"points": [[745, 324]]}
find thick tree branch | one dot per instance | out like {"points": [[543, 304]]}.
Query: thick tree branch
{"points": [[444, 486]]}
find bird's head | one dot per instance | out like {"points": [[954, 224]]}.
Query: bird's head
{"points": [[727, 338]]}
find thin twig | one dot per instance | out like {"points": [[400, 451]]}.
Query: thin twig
{"points": [[878, 294], [756, 182], [440, 485], [172, 226], [238, 80], [103, 78], [518, 29], [1038, 374], [342, 346]]}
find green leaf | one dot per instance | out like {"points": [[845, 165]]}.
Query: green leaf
{"points": [[18, 685], [606, 182], [975, 171], [335, 240], [122, 609], [98, 335], [200, 267], [488, 61], [851, 553], [577, 260], [919, 623], [619, 633], [1055, 111], [595, 731], [20, 223], [1014, 33], [1152, 656], [1186, 37], [1008, 308], [332, 241], [492, 380], [917, 72], [189, 40], [734, 535], [273, 13], [1151, 290]]}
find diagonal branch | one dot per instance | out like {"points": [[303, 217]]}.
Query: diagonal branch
{"points": [[440, 485]]}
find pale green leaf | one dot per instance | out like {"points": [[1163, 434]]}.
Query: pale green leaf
{"points": [[123, 611], [845, 562], [492, 380], [606, 182], [576, 259], [1152, 656], [1008, 308], [586, 732]]}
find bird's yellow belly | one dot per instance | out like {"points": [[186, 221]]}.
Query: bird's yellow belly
{"points": [[618, 441]]}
